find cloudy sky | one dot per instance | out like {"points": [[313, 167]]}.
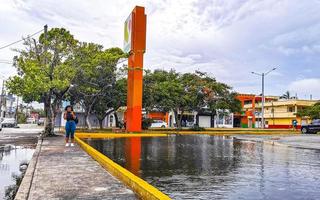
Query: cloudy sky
{"points": [[226, 38]]}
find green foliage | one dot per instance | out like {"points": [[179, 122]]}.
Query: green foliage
{"points": [[169, 90], [313, 112], [95, 85], [41, 67], [22, 118], [39, 111], [196, 127], [45, 71]]}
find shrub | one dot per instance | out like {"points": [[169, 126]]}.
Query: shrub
{"points": [[196, 127]]}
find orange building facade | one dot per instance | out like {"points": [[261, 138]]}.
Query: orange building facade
{"points": [[248, 103]]}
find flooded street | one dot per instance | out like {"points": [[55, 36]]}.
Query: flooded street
{"points": [[215, 167], [10, 159]]}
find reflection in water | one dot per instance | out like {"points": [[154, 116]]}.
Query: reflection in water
{"points": [[10, 159], [214, 167]]}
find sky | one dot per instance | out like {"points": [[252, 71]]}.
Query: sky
{"points": [[228, 39]]}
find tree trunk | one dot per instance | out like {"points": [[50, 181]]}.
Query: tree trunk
{"points": [[180, 119], [177, 118], [101, 124], [87, 116], [49, 129], [102, 116], [116, 119]]}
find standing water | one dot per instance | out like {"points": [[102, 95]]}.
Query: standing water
{"points": [[215, 167], [10, 159]]}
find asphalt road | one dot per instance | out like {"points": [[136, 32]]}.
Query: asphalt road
{"points": [[27, 133]]}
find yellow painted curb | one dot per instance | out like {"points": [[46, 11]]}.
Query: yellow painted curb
{"points": [[143, 189], [118, 135]]}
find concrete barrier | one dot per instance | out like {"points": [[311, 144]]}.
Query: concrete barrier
{"points": [[118, 135], [143, 189]]}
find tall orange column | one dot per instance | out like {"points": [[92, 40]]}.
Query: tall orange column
{"points": [[135, 69]]}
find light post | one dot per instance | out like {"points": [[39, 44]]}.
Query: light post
{"points": [[262, 103]]}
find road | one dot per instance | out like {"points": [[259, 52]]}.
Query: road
{"points": [[306, 141], [27, 133]]}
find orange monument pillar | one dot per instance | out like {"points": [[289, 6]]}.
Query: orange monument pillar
{"points": [[135, 44]]}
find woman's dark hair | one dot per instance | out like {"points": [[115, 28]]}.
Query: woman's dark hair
{"points": [[69, 106]]}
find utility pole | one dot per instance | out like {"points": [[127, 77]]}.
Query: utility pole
{"points": [[262, 102], [2, 97], [17, 109], [263, 99]]}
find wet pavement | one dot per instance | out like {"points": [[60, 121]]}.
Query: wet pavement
{"points": [[306, 141], [26, 134], [10, 158], [59, 172], [218, 167]]}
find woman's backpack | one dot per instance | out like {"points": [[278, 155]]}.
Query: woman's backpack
{"points": [[76, 120]]}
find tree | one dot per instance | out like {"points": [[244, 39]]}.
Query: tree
{"points": [[45, 71], [115, 98], [286, 95], [313, 112], [166, 91], [95, 81]]}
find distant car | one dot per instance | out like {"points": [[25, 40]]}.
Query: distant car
{"points": [[189, 124], [314, 127], [8, 122], [31, 120], [41, 121], [158, 124]]}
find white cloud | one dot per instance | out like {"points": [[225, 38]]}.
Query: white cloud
{"points": [[228, 39], [306, 87]]}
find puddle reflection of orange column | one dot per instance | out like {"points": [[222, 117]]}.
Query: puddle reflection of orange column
{"points": [[133, 154]]}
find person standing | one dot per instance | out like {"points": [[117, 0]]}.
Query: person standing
{"points": [[70, 118]]}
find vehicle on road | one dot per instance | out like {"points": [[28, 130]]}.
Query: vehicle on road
{"points": [[31, 120], [158, 124], [313, 127], [8, 122], [41, 121]]}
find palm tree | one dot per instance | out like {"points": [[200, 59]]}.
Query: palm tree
{"points": [[286, 95]]}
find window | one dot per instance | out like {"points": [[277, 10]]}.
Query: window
{"points": [[290, 109], [228, 119]]}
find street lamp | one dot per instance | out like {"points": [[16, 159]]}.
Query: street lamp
{"points": [[262, 104]]}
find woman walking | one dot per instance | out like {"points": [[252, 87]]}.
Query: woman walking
{"points": [[70, 124]]}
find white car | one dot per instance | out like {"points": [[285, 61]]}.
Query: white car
{"points": [[31, 120], [8, 122], [158, 124]]}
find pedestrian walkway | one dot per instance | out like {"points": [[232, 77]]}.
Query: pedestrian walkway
{"points": [[59, 172]]}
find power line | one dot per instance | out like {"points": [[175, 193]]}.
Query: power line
{"points": [[5, 46], [4, 62]]}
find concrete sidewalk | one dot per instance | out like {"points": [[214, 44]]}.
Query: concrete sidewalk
{"points": [[59, 172], [307, 141]]}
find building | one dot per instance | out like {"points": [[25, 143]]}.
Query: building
{"points": [[247, 118], [282, 113], [204, 118], [278, 113]]}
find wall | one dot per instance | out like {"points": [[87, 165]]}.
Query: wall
{"points": [[60, 122]]}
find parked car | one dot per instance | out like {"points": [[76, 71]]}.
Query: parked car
{"points": [[8, 122], [158, 124], [41, 121], [31, 120], [314, 127]]}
